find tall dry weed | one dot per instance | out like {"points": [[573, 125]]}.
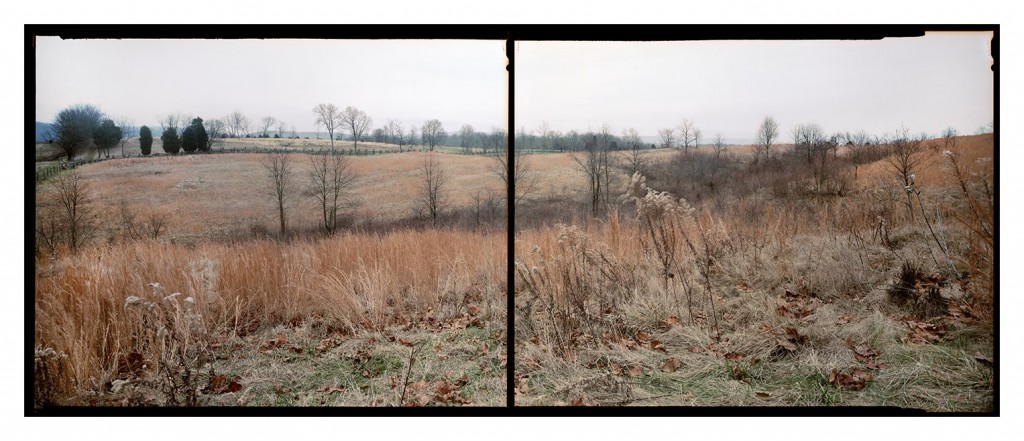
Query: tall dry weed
{"points": [[349, 282]]}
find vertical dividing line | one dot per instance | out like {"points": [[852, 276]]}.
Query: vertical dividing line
{"points": [[30, 218], [994, 50], [510, 378]]}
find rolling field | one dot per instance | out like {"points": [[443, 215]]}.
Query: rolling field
{"points": [[219, 310], [225, 195], [758, 289]]}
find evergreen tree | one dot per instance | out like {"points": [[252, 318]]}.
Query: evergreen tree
{"points": [[194, 137], [172, 144], [189, 141], [202, 138], [146, 140], [106, 136]]}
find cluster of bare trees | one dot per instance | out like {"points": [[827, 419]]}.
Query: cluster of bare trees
{"points": [[66, 217], [687, 137], [330, 181], [355, 121]]}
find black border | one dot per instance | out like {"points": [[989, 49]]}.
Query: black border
{"points": [[511, 34]]}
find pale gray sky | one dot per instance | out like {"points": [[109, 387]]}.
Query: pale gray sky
{"points": [[926, 83], [458, 82]]}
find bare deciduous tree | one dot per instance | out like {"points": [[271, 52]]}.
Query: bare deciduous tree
{"points": [[237, 124], [433, 133], [128, 131], [357, 123], [633, 156], [593, 162], [393, 132], [328, 117], [719, 145], [331, 181], [486, 204], [66, 214], [279, 183], [466, 135], [686, 134], [904, 159], [152, 227], [264, 126], [524, 179], [949, 139], [414, 138], [281, 128], [156, 224], [496, 140], [433, 195], [668, 138], [176, 121], [857, 143], [767, 133], [807, 139], [544, 133], [214, 132]]}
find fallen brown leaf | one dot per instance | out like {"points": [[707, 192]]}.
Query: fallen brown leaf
{"points": [[332, 389], [671, 365], [657, 345], [668, 323], [581, 401]]}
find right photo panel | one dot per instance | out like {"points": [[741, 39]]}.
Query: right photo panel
{"points": [[796, 223]]}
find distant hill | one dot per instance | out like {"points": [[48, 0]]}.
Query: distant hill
{"points": [[42, 131]]}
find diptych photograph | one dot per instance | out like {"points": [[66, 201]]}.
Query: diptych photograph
{"points": [[556, 221]]}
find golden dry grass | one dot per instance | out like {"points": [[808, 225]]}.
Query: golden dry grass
{"points": [[367, 295], [933, 173], [350, 283], [223, 195]]}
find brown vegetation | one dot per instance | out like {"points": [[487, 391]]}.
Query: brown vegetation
{"points": [[345, 285], [170, 290], [769, 283]]}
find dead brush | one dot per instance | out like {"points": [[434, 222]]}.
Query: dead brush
{"points": [[666, 226], [577, 289], [172, 330], [50, 368], [976, 213]]}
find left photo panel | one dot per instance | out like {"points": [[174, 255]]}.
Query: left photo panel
{"points": [[268, 222]]}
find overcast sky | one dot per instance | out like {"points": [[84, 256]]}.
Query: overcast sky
{"points": [[926, 83], [458, 82]]}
